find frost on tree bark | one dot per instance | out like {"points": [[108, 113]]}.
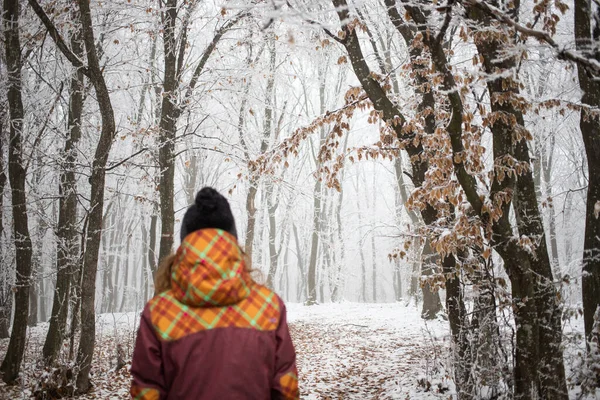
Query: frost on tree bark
{"points": [[167, 129], [267, 134], [17, 175], [586, 35], [6, 294], [67, 237], [339, 280]]}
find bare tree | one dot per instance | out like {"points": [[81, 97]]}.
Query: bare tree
{"points": [[171, 110], [67, 236], [17, 176]]}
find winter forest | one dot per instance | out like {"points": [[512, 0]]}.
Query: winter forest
{"points": [[418, 180]]}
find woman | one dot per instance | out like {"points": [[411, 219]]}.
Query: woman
{"points": [[215, 334]]}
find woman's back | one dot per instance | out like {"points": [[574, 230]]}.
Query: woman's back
{"points": [[215, 334]]}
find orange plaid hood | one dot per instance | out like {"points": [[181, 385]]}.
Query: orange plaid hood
{"points": [[209, 270]]}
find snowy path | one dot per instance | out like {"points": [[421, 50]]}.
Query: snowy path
{"points": [[367, 351], [345, 351]]}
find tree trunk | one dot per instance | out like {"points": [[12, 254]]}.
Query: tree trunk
{"points": [[338, 288], [75, 296], [67, 244], [547, 165], [174, 54], [5, 290], [116, 252], [363, 266], [94, 229], [153, 262], [317, 193], [125, 293], [251, 210], [168, 130], [432, 304], [568, 206], [17, 175], [314, 246], [32, 319], [539, 319], [457, 316], [273, 255], [267, 134], [484, 327], [299, 251], [590, 130]]}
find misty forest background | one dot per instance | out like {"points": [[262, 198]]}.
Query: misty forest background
{"points": [[443, 155]]}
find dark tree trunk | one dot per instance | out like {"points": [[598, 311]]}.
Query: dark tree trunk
{"points": [[539, 318], [457, 316], [97, 180], [5, 290], [88, 286], [486, 348], [17, 175], [67, 244], [75, 296], [168, 128], [590, 130], [432, 304]]}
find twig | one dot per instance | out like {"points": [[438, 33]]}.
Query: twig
{"points": [[76, 61], [574, 56]]}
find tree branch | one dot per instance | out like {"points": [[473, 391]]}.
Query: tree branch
{"points": [[55, 35], [207, 52], [592, 65]]}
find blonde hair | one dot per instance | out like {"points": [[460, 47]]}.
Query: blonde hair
{"points": [[162, 278]]}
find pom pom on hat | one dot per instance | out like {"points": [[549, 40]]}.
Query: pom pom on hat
{"points": [[210, 210]]}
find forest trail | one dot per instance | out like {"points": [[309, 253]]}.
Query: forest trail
{"points": [[345, 351], [368, 351]]}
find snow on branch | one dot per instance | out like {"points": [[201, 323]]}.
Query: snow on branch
{"points": [[590, 64]]}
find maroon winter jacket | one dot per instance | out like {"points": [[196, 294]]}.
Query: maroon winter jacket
{"points": [[216, 334]]}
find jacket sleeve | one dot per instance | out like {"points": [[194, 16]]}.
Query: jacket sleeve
{"points": [[285, 382], [146, 364]]}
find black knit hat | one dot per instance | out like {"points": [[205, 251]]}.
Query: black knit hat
{"points": [[210, 210]]}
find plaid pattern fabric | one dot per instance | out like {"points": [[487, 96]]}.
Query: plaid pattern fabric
{"points": [[209, 270], [289, 385], [138, 393], [211, 289]]}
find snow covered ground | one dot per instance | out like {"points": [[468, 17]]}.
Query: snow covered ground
{"points": [[369, 351], [345, 351]]}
